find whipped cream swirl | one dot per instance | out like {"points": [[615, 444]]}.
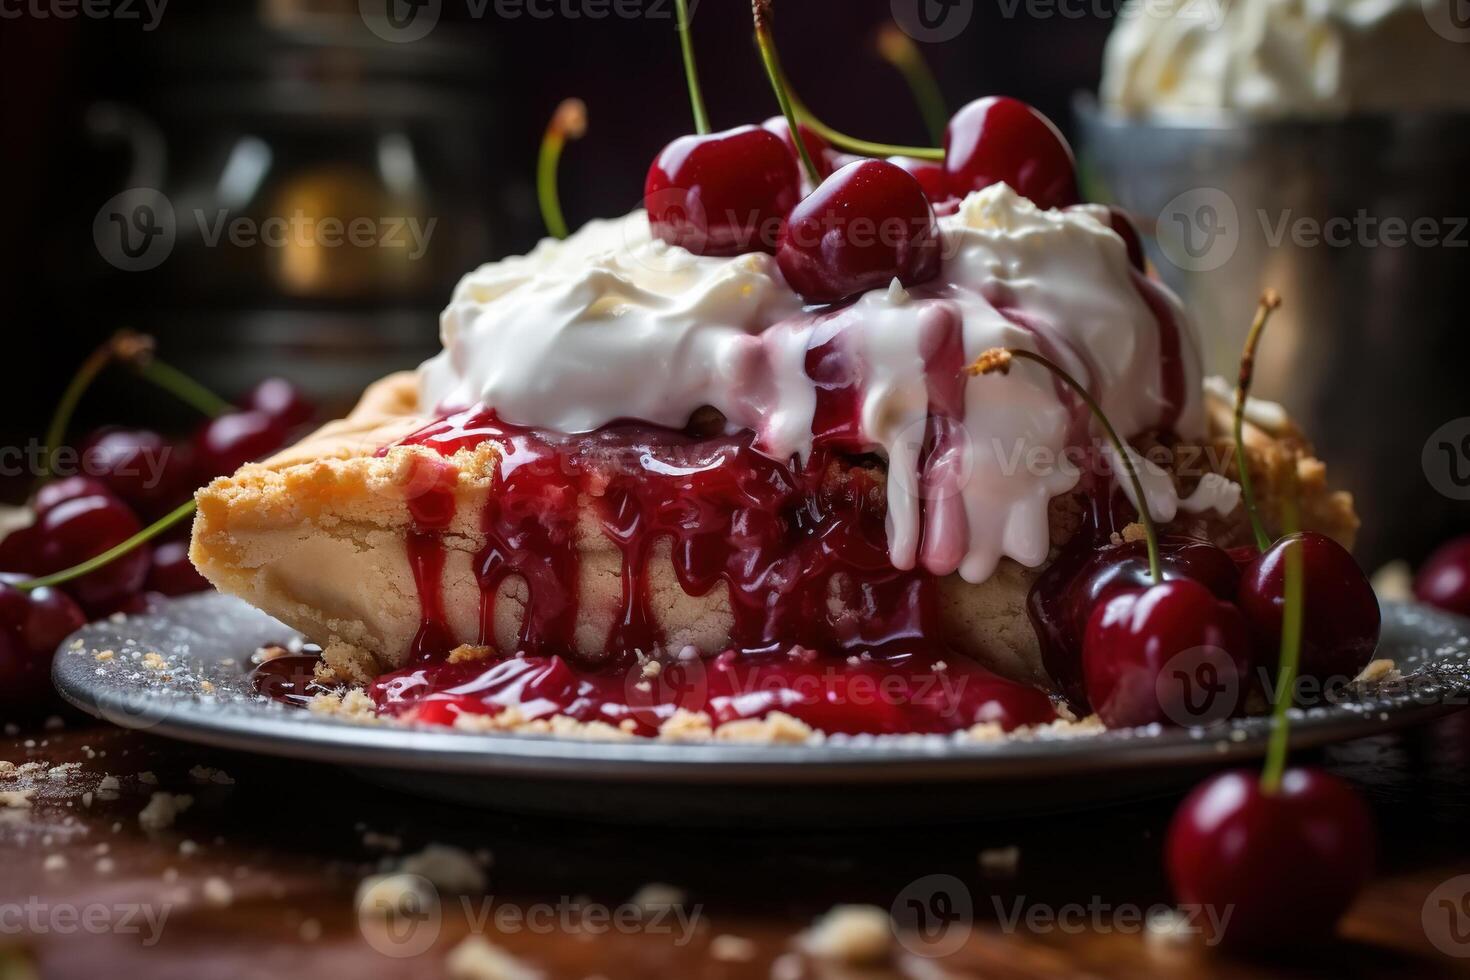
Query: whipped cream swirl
{"points": [[611, 324]]}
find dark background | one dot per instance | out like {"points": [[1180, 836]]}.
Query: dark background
{"points": [[311, 82]]}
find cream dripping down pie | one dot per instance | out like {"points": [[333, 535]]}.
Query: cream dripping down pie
{"points": [[643, 490]]}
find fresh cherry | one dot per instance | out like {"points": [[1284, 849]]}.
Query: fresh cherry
{"points": [[225, 444], [722, 193], [84, 527], [1079, 581], [1171, 654], [147, 471], [1444, 580], [280, 399], [1284, 865], [172, 573], [866, 225], [819, 149], [999, 139], [33, 623], [930, 175], [1340, 616], [68, 488]]}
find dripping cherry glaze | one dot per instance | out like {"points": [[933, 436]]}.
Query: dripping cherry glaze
{"points": [[778, 536]]}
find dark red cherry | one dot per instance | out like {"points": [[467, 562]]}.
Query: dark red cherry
{"points": [[32, 625], [1283, 866], [930, 175], [1123, 225], [819, 149], [60, 491], [1340, 616], [722, 193], [866, 225], [84, 527], [280, 399], [225, 444], [1444, 580], [172, 573], [1173, 654], [148, 472], [999, 139], [19, 551], [1067, 593]]}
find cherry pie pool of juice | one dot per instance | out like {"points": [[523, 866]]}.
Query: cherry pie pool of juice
{"points": [[783, 540]]}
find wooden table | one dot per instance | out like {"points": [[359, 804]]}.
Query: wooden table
{"points": [[257, 878]]}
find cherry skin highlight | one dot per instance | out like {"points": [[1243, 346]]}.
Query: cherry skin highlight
{"points": [[1444, 580], [225, 444], [1286, 865], [280, 399], [866, 225], [722, 193], [1340, 615], [32, 625], [1172, 654], [998, 139], [930, 175], [84, 527]]}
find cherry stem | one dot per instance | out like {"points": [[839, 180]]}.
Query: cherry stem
{"points": [[767, 45], [71, 398], [111, 554], [998, 359], [1293, 599], [691, 72], [1270, 302], [865, 148], [183, 387], [900, 51], [569, 122]]}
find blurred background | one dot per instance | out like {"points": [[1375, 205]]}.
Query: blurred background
{"points": [[278, 108]]}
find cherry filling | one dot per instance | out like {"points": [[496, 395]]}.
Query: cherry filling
{"points": [[824, 627]]}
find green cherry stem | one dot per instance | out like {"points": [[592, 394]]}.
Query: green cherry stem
{"points": [[691, 72], [71, 398], [1293, 599], [865, 148], [111, 554], [900, 51], [1270, 302], [569, 122], [999, 359], [183, 387], [762, 11]]}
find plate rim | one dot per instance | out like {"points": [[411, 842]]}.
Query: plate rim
{"points": [[273, 730]]}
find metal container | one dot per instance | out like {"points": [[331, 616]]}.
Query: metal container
{"points": [[1363, 225]]}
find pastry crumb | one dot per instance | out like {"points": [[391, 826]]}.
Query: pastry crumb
{"points": [[447, 868], [161, 810], [732, 949], [466, 653], [476, 958], [855, 935], [218, 893]]}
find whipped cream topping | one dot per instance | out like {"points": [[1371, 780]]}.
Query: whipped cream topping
{"points": [[1265, 58], [610, 325]]}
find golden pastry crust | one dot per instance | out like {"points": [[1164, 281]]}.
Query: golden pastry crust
{"points": [[316, 535]]}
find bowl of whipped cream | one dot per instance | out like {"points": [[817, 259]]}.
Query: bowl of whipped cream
{"points": [[1320, 147]]}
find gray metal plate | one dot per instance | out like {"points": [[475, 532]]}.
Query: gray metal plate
{"points": [[210, 638]]}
